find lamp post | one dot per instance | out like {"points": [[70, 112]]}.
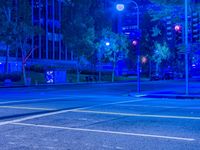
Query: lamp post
{"points": [[121, 7], [186, 49]]}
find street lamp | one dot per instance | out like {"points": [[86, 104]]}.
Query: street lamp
{"points": [[186, 49], [121, 7]]}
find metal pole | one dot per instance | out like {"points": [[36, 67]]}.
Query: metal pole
{"points": [[119, 28], [138, 49], [186, 49]]}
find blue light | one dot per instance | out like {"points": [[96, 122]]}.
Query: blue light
{"points": [[120, 7], [193, 65], [107, 43]]}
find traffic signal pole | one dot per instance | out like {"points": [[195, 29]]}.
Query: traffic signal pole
{"points": [[186, 49]]}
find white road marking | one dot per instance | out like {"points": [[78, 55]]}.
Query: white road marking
{"points": [[55, 113], [26, 108], [122, 102], [119, 102], [31, 100], [12, 143], [170, 107], [59, 98], [35, 116], [107, 132], [137, 115]]}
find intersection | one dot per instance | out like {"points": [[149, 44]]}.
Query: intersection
{"points": [[64, 117]]}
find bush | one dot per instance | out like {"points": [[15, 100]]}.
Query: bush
{"points": [[15, 76], [36, 68]]}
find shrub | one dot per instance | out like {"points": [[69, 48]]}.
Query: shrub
{"points": [[14, 76]]}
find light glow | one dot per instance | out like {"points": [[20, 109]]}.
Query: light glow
{"points": [[134, 42], [120, 7], [107, 44], [177, 28]]}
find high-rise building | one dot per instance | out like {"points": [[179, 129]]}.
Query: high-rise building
{"points": [[47, 15], [48, 46]]}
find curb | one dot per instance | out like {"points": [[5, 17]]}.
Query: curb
{"points": [[173, 96], [61, 84], [165, 96]]}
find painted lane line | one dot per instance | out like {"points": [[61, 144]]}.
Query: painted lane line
{"points": [[31, 100], [26, 108], [120, 102], [51, 113], [35, 116], [170, 107], [59, 98], [107, 132], [138, 115]]}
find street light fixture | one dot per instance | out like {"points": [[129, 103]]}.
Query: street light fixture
{"points": [[121, 7]]}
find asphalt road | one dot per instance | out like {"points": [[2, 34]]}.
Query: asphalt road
{"points": [[96, 117]]}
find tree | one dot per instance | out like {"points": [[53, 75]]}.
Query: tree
{"points": [[17, 29], [148, 37], [7, 28], [25, 30], [175, 9], [161, 53], [78, 30], [114, 46]]}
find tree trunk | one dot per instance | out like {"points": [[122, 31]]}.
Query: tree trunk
{"points": [[7, 58], [157, 68], [99, 76], [150, 68], [113, 73], [23, 65], [114, 66], [100, 69], [77, 73], [24, 72]]}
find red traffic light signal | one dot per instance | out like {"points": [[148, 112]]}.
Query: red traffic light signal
{"points": [[177, 28], [135, 42]]}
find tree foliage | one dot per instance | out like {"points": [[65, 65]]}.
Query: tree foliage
{"points": [[118, 46], [17, 28], [113, 47], [81, 25], [161, 53]]}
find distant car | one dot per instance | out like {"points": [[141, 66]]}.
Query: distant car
{"points": [[155, 77], [168, 76]]}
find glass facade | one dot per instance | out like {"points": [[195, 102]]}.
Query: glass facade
{"points": [[47, 15]]}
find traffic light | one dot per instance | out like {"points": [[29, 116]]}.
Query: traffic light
{"points": [[169, 28], [135, 42], [178, 34], [195, 27]]}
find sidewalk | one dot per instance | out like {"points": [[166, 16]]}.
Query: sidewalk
{"points": [[172, 94], [169, 96]]}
